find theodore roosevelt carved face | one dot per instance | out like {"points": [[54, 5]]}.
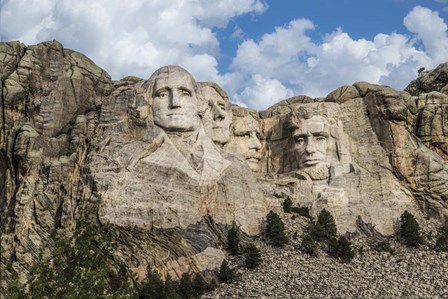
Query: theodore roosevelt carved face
{"points": [[175, 103], [246, 141]]}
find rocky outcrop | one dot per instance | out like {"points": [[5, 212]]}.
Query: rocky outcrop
{"points": [[427, 81], [169, 163], [50, 96]]}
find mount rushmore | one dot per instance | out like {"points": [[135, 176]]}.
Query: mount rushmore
{"points": [[171, 163]]}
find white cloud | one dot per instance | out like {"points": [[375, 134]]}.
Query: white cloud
{"points": [[139, 36], [262, 93], [288, 57], [128, 38], [431, 30]]}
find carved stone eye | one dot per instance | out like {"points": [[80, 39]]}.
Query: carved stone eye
{"points": [[185, 93], [162, 93]]}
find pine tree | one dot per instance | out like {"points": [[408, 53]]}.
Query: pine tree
{"points": [[226, 274], [325, 227], [152, 286], [200, 286], [287, 205], [275, 230], [344, 249], [169, 288], [409, 231], [253, 256], [308, 245], [186, 289], [80, 266], [233, 240]]}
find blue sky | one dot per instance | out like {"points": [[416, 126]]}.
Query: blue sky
{"points": [[259, 51]]}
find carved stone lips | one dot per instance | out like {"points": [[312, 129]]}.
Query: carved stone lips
{"points": [[253, 159], [312, 161]]}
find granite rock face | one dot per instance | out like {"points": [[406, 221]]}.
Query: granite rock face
{"points": [[171, 163]]}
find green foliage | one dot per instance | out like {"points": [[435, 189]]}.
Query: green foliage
{"points": [[275, 230], [325, 227], [409, 231], [226, 274], [308, 245], [15, 289], [253, 256], [233, 240], [341, 248], [169, 288], [383, 246], [81, 267], [200, 286], [420, 71], [152, 287], [302, 211], [442, 238], [287, 205], [186, 289]]}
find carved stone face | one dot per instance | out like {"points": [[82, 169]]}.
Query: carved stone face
{"points": [[246, 141], [311, 142], [219, 116], [175, 103]]}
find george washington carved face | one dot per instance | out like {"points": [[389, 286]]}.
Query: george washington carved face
{"points": [[175, 103]]}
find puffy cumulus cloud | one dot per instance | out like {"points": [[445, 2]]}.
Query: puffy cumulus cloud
{"points": [[262, 92], [276, 53], [431, 30], [129, 38], [288, 57]]}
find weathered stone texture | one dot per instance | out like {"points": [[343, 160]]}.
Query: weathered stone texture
{"points": [[170, 163]]}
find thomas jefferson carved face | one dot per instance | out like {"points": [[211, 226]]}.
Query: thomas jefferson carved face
{"points": [[175, 102], [311, 142], [219, 116], [246, 141]]}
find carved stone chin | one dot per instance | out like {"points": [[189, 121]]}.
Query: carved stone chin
{"points": [[315, 173]]}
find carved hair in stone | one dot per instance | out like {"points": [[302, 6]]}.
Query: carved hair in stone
{"points": [[245, 140], [218, 117]]}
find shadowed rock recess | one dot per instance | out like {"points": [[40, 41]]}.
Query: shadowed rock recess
{"points": [[170, 163]]}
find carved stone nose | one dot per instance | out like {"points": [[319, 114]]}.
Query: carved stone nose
{"points": [[174, 100], [255, 143]]}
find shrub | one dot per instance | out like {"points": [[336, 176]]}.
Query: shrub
{"points": [[302, 211], [308, 245], [409, 231], [383, 246], [81, 266], [233, 240], [186, 289], [442, 238], [200, 286], [275, 230], [152, 286], [325, 227], [287, 205], [253, 256], [226, 274], [169, 288], [341, 248]]}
